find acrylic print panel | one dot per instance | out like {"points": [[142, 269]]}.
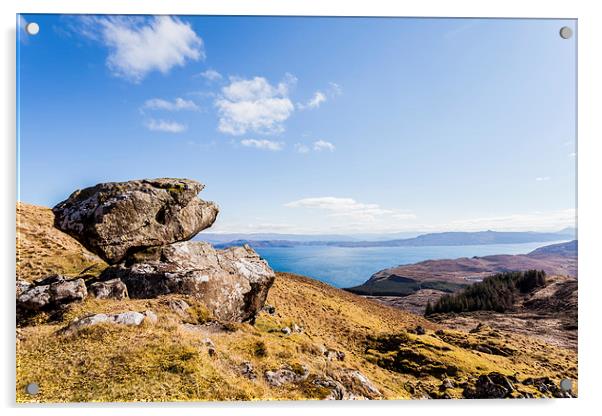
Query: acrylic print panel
{"points": [[393, 217]]}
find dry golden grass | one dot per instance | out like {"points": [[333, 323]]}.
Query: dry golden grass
{"points": [[169, 361], [43, 250]]}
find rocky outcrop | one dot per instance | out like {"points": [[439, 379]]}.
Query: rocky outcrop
{"points": [[117, 218], [53, 292], [232, 283]]}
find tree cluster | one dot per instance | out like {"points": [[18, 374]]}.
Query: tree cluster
{"points": [[495, 293]]}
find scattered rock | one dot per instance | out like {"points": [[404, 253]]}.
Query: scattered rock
{"points": [[490, 386], [547, 386], [125, 318], [420, 330], [334, 355], [116, 218], [286, 374], [439, 332], [337, 390], [447, 384], [269, 309], [232, 283], [247, 370], [483, 348], [53, 292], [110, 289], [211, 350], [297, 328], [286, 330], [356, 384]]}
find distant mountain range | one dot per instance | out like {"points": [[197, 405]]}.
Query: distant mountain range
{"points": [[450, 275], [432, 239]]}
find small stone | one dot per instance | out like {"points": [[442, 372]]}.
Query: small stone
{"points": [[247, 370], [286, 330], [269, 309], [420, 330]]}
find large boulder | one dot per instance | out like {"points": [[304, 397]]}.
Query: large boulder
{"points": [[117, 218], [232, 283]]}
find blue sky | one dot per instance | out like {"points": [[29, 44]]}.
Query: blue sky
{"points": [[308, 125]]}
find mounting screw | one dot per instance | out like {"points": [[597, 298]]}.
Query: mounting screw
{"points": [[32, 389], [566, 32], [566, 384]]}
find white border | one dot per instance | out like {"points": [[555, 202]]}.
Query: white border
{"points": [[589, 198]]}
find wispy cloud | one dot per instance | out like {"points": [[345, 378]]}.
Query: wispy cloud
{"points": [[138, 45], [350, 210], [211, 75], [301, 148], [314, 102], [321, 145], [165, 126], [533, 221], [254, 105], [177, 104], [262, 144], [542, 178], [573, 154]]}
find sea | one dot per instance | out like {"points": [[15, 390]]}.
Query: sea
{"points": [[352, 266]]}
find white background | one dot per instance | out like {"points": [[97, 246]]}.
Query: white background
{"points": [[589, 191]]}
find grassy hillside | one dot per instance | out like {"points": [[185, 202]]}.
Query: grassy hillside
{"points": [[338, 333], [43, 250]]}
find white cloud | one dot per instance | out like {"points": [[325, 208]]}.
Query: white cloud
{"points": [[534, 221], [314, 102], [301, 148], [165, 126], [262, 144], [542, 178], [254, 105], [350, 210], [138, 46], [175, 105], [323, 145], [334, 89], [211, 75]]}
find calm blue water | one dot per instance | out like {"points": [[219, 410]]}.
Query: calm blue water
{"points": [[346, 267]]}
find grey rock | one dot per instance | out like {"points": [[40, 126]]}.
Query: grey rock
{"points": [[247, 370], [232, 283], [356, 384], [110, 289], [296, 328], [116, 218], [285, 375], [52, 292], [334, 355], [447, 384], [286, 330], [125, 318], [22, 286], [420, 330], [337, 390]]}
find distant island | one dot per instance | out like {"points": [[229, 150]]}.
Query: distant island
{"points": [[431, 239]]}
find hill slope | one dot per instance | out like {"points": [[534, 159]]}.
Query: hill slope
{"points": [[313, 342], [452, 274]]}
